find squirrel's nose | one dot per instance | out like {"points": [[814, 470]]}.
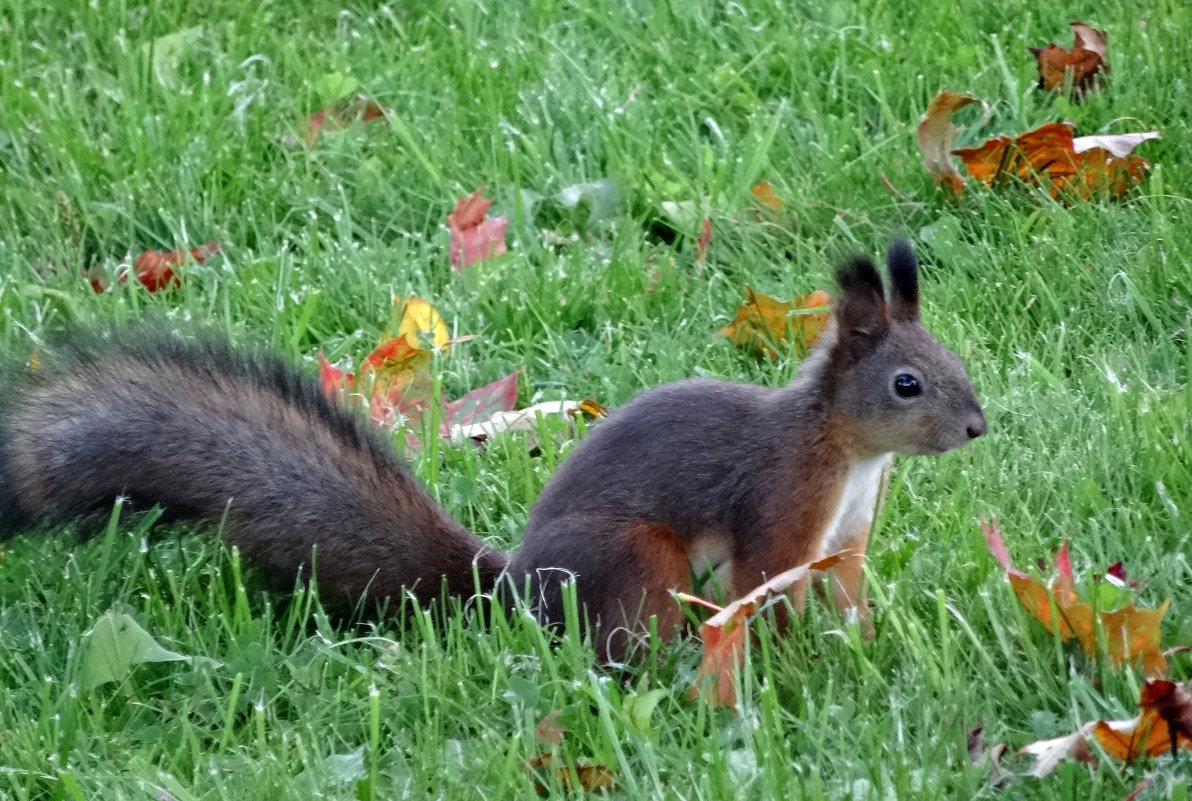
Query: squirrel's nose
{"points": [[977, 426]]}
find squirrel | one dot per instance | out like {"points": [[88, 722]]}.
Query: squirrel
{"points": [[692, 479]]}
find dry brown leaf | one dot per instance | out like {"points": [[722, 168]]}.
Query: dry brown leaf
{"points": [[1132, 634], [550, 730], [763, 323], [581, 774], [723, 634], [937, 136], [1084, 67], [1163, 726], [1048, 156]]}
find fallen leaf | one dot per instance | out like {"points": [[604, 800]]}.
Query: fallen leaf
{"points": [[1132, 634], [763, 193], [474, 236], [526, 419], [1119, 145], [338, 116], [937, 136], [550, 730], [332, 379], [1050, 753], [723, 634], [481, 404], [114, 646], [420, 322], [1048, 156], [763, 323], [582, 774], [154, 269], [1084, 67], [1163, 726], [702, 241], [398, 382]]}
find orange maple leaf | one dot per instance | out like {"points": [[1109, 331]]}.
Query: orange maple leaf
{"points": [[1163, 726], [1083, 67], [764, 194], [1132, 634], [763, 323], [724, 633]]}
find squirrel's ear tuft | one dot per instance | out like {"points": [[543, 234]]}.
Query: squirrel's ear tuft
{"points": [[861, 314], [904, 281], [859, 274]]}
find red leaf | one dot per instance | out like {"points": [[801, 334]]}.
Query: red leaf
{"points": [[333, 379], [155, 268], [475, 237], [340, 115], [997, 547], [482, 403]]}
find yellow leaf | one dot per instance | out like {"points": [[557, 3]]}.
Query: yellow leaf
{"points": [[420, 323], [763, 323]]}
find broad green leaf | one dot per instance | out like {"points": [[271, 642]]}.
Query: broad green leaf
{"points": [[114, 646]]}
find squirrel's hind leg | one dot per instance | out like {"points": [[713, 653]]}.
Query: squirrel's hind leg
{"points": [[623, 576]]}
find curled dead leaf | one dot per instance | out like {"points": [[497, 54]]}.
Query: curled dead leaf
{"points": [[1083, 67], [1163, 726], [937, 136], [764, 194], [723, 634], [582, 774]]}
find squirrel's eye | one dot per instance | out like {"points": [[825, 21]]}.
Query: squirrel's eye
{"points": [[906, 385]]}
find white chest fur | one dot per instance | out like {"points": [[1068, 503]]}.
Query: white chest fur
{"points": [[711, 556], [858, 503]]}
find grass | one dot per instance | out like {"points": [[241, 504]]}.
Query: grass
{"points": [[124, 127]]}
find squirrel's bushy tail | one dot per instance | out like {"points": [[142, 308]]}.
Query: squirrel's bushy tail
{"points": [[214, 434]]}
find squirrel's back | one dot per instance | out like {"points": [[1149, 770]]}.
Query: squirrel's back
{"points": [[220, 435]]}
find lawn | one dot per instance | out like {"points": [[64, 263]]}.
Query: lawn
{"points": [[125, 127]]}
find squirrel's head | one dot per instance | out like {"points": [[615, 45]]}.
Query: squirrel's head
{"points": [[893, 385]]}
